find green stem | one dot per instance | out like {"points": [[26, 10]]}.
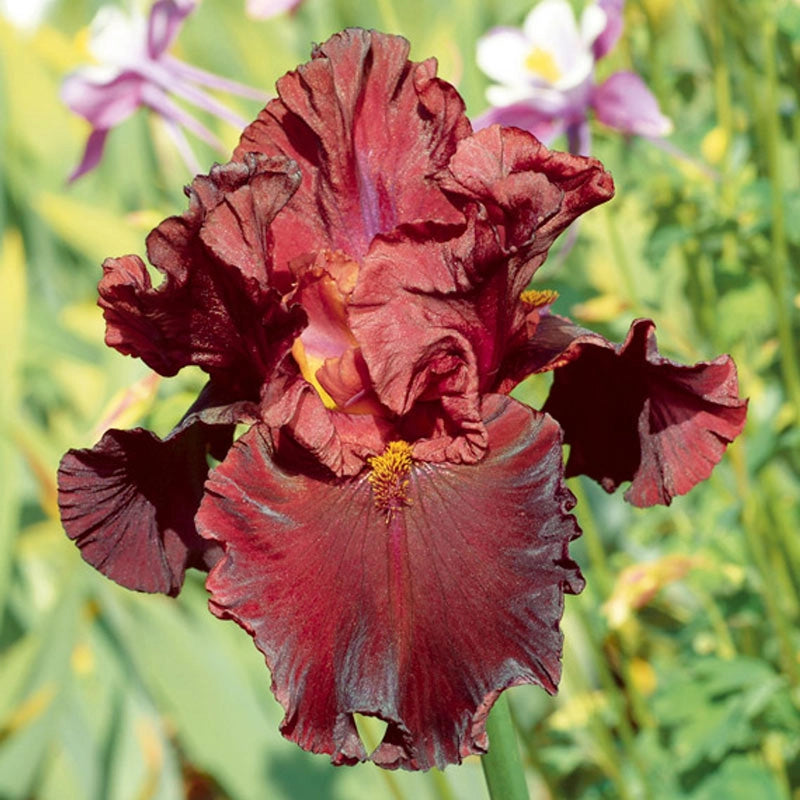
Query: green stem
{"points": [[722, 95], [502, 766], [779, 262]]}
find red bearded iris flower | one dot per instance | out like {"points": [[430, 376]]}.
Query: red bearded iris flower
{"points": [[393, 528]]}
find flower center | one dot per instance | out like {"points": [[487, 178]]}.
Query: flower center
{"points": [[389, 477], [541, 63]]}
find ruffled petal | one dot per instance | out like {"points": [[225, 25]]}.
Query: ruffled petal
{"points": [[369, 130], [625, 103], [531, 193], [427, 335], [337, 440], [434, 306], [215, 308], [420, 615], [629, 414], [129, 502]]}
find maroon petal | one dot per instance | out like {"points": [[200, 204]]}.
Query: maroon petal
{"points": [[339, 441], [531, 193], [426, 334], [435, 306], [629, 414], [415, 592], [369, 130], [215, 307]]}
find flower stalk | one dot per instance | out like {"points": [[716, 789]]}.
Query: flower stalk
{"points": [[502, 765]]}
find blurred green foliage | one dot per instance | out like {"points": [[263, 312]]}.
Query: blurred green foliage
{"points": [[682, 668]]}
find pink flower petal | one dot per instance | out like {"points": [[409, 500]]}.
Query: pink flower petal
{"points": [[104, 105], [522, 115], [420, 616], [264, 9], [95, 145], [164, 23], [624, 102], [606, 41]]}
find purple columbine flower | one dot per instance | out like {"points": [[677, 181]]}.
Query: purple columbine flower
{"points": [[544, 76], [133, 70]]}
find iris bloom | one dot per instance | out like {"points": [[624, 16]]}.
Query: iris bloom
{"points": [[544, 76], [134, 70], [393, 528]]}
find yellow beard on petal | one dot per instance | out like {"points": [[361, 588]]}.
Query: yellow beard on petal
{"points": [[389, 477]]}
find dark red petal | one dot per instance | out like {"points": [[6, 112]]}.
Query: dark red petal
{"points": [[436, 306], [339, 441], [129, 502], [129, 505], [531, 194], [215, 307], [629, 414], [369, 130], [421, 617]]}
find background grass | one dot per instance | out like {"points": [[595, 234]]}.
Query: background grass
{"points": [[681, 670]]}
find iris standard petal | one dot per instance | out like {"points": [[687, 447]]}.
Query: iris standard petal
{"points": [[369, 129]]}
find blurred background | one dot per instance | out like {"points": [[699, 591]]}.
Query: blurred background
{"points": [[681, 662]]}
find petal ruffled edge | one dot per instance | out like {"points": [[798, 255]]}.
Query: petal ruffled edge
{"points": [[129, 502], [630, 414], [216, 307], [358, 610]]}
